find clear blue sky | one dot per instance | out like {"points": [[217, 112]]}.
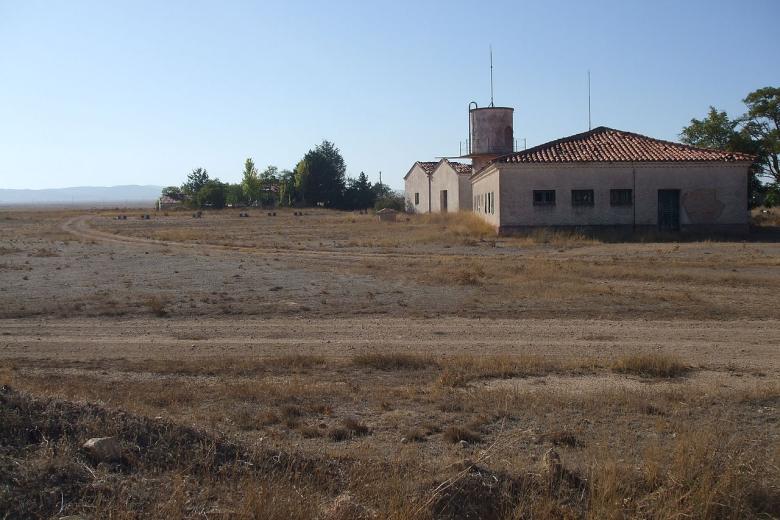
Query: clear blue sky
{"points": [[140, 92]]}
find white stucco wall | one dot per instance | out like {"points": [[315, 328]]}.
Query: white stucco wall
{"points": [[710, 193], [416, 181], [487, 182], [464, 192], [444, 177]]}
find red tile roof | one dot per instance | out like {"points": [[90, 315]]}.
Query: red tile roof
{"points": [[604, 144], [427, 166], [460, 167]]}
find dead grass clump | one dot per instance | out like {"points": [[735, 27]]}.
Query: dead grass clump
{"points": [[308, 431], [461, 370], [702, 475], [350, 427], [455, 434], [394, 361], [651, 365], [157, 306], [415, 435], [460, 224], [562, 438], [468, 276]]}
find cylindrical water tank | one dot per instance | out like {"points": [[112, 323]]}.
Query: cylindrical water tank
{"points": [[491, 131]]}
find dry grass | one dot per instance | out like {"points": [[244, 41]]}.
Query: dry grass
{"points": [[455, 434], [651, 365], [461, 370], [394, 361]]}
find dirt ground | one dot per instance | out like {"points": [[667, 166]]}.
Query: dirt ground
{"points": [[416, 358]]}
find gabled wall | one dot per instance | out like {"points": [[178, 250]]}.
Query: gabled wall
{"points": [[458, 187], [417, 181]]}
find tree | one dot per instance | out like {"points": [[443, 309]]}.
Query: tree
{"points": [[269, 184], [173, 192], [391, 200], [212, 194], [195, 181], [320, 176], [234, 195], [250, 183], [720, 132], [762, 124], [287, 193], [359, 193]]}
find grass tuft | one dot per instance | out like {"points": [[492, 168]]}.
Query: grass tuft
{"points": [[394, 361], [651, 365]]}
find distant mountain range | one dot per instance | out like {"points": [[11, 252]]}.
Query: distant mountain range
{"points": [[98, 195]]}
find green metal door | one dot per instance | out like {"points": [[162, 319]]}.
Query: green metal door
{"points": [[669, 210]]}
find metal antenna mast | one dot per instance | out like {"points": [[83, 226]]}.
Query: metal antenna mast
{"points": [[491, 75], [589, 124]]}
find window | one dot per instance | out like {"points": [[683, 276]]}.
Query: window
{"points": [[544, 197], [621, 198], [492, 203], [582, 197], [416, 199]]}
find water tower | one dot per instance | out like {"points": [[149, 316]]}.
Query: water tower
{"points": [[491, 133]]}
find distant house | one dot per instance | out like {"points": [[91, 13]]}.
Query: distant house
{"points": [[438, 187], [166, 203], [607, 177], [417, 182]]}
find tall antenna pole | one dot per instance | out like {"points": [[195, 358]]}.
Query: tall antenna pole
{"points": [[380, 177], [589, 124], [491, 75]]}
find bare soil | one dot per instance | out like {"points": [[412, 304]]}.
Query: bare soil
{"points": [[368, 350]]}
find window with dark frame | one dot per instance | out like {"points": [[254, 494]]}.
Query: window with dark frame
{"points": [[416, 199], [621, 197], [582, 197], [544, 197]]}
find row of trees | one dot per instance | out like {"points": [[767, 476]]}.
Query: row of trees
{"points": [[319, 179], [756, 132]]}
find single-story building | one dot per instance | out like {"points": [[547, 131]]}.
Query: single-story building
{"points": [[417, 183], [165, 203], [434, 187], [612, 178]]}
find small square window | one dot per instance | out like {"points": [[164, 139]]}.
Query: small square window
{"points": [[416, 199], [544, 197], [582, 197], [621, 197]]}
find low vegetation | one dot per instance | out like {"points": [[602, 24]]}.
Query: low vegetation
{"points": [[651, 365]]}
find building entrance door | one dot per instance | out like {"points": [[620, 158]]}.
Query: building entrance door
{"points": [[443, 201], [669, 210]]}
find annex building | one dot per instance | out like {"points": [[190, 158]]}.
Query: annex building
{"points": [[599, 178]]}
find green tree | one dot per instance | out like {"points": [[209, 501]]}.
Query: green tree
{"points": [[320, 176], [234, 195], [250, 182], [359, 193], [269, 184], [287, 193], [173, 192], [195, 181], [718, 131], [391, 200], [212, 194], [762, 124]]}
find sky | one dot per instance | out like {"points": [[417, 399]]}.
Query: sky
{"points": [[141, 92]]}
